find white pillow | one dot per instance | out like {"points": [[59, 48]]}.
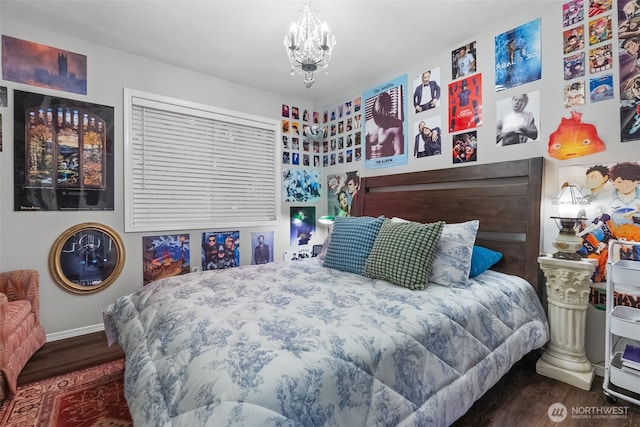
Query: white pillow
{"points": [[325, 244], [452, 261]]}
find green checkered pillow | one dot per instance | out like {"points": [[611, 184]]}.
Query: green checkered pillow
{"points": [[350, 243], [403, 253]]}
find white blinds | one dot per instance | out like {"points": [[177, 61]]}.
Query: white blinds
{"points": [[190, 166]]}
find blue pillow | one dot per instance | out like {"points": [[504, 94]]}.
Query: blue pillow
{"points": [[483, 259], [351, 241]]}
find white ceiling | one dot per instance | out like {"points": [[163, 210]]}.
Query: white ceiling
{"points": [[242, 40]]}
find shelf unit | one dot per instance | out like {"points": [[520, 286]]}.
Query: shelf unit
{"points": [[622, 322]]}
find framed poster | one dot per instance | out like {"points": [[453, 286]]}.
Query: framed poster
{"points": [[63, 154], [86, 258]]}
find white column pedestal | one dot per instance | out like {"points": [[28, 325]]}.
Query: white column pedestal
{"points": [[568, 289]]}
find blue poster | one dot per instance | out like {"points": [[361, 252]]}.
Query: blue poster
{"points": [[386, 127], [518, 56]]}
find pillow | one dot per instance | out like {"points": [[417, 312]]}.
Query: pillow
{"points": [[350, 243], [402, 253], [452, 261], [483, 259], [325, 244]]}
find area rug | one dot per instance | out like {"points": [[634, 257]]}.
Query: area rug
{"points": [[93, 397]]}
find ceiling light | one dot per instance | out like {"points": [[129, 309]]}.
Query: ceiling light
{"points": [[309, 44]]}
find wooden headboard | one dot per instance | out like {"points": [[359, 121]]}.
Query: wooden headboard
{"points": [[504, 197]]}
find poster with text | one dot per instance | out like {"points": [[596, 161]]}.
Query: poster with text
{"points": [[518, 56], [63, 154], [385, 125], [165, 256], [465, 103]]}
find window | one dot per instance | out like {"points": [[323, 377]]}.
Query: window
{"points": [[194, 166]]}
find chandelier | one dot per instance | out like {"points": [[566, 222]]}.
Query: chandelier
{"points": [[309, 44]]}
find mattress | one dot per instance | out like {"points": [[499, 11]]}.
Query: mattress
{"points": [[298, 344]]}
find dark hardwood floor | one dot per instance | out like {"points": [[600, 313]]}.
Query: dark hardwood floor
{"points": [[520, 398], [71, 354]]}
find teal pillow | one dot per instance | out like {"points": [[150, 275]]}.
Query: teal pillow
{"points": [[483, 259], [351, 241], [403, 253]]}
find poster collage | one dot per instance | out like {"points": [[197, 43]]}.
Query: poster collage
{"points": [[306, 141], [587, 49], [170, 254]]}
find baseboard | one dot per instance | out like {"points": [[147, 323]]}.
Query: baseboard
{"points": [[598, 369], [75, 332]]}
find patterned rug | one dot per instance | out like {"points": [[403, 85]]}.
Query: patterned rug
{"points": [[93, 397]]}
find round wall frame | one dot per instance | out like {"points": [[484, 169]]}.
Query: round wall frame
{"points": [[86, 258]]}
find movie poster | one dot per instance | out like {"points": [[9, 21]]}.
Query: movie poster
{"points": [[165, 256], [386, 128], [63, 154], [465, 147], [518, 56], [302, 225], [465, 103], [629, 42], [220, 250], [341, 192], [262, 243]]}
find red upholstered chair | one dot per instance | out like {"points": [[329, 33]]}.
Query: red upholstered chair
{"points": [[21, 334]]}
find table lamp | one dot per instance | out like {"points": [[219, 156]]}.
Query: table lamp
{"points": [[569, 201]]}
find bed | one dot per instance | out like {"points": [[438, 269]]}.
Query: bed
{"points": [[303, 343]]}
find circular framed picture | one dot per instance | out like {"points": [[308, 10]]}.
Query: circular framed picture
{"points": [[86, 258]]}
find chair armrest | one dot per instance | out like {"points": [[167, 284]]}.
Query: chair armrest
{"points": [[22, 285]]}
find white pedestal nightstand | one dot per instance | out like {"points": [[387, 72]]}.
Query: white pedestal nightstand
{"points": [[568, 288]]}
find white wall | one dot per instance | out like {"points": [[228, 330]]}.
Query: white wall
{"points": [[604, 115], [28, 236]]}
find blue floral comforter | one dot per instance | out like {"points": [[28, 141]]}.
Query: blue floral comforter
{"points": [[297, 344]]}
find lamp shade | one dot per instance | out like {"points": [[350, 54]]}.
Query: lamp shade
{"points": [[569, 200]]}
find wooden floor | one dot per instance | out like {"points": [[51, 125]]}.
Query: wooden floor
{"points": [[521, 397]]}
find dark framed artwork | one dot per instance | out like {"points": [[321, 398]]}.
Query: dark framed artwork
{"points": [[63, 154], [86, 258]]}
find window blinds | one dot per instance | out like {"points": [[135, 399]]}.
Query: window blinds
{"points": [[193, 167]]}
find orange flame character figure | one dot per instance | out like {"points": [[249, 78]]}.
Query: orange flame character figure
{"points": [[573, 138]]}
